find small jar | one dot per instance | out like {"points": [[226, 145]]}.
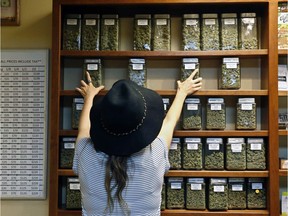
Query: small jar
{"points": [[161, 32], [235, 154], [215, 114], [110, 32], [248, 31], [195, 194], [192, 154], [256, 154], [142, 32], [218, 194], [166, 104], [94, 68], [236, 193], [67, 148], [163, 197], [189, 65], [191, 32], [214, 154], [73, 194], [256, 193], [210, 32], [71, 32], [246, 114], [191, 116], [175, 193], [77, 107], [229, 31], [90, 32], [137, 72], [175, 154], [230, 74]]}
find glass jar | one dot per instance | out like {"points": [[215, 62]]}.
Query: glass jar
{"points": [[246, 114], [175, 154], [67, 148], [248, 31], [229, 31], [142, 32], [94, 68], [73, 194], [189, 65], [210, 33], [218, 194], [256, 154], [161, 32], [191, 116], [195, 194], [71, 32], [256, 193], [192, 154], [230, 75], [191, 32], [90, 32], [214, 154], [110, 32], [77, 107], [235, 154], [215, 114], [137, 71], [175, 193], [236, 193]]}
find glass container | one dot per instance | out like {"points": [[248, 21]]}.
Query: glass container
{"points": [[192, 154], [195, 194], [175, 193], [218, 194], [137, 71], [256, 154], [214, 154], [71, 39], [90, 32], [67, 148], [175, 154], [230, 74], [73, 194], [109, 32], [210, 32], [161, 32], [235, 154], [248, 31], [94, 68], [246, 114], [142, 32], [229, 31], [192, 114], [237, 193], [256, 193], [215, 114], [191, 32], [189, 65], [77, 107]]}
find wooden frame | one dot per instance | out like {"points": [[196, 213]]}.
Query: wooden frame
{"points": [[10, 12]]}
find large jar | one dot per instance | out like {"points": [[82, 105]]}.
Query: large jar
{"points": [[195, 194], [110, 32], [235, 154], [175, 154], [256, 154], [230, 74], [236, 193], [256, 193], [229, 31], [175, 193], [218, 194], [137, 71], [210, 32], [192, 154], [191, 32], [142, 32], [71, 32], [161, 32], [73, 193], [67, 148], [90, 32], [189, 65], [214, 154], [192, 114], [215, 114], [94, 68], [246, 114], [248, 31]]}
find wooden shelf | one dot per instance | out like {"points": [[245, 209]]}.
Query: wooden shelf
{"points": [[282, 52], [283, 132], [282, 93], [283, 172]]}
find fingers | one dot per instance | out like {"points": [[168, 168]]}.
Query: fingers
{"points": [[88, 77], [193, 73]]}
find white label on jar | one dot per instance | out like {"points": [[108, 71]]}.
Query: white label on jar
{"points": [[192, 146], [229, 21], [137, 66], [79, 106], [173, 146], [214, 146], [248, 20], [176, 185], [216, 107], [219, 188], [189, 66], [192, 106], [109, 22], [210, 21], [69, 145], [90, 22], [196, 186], [161, 22], [72, 22], [142, 22], [231, 65], [74, 186], [191, 22], [236, 147], [258, 186], [256, 146], [246, 106], [285, 164], [92, 66], [237, 187]]}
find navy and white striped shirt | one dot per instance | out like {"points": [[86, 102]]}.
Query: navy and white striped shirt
{"points": [[142, 194]]}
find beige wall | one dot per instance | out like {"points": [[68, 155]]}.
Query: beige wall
{"points": [[34, 32]]}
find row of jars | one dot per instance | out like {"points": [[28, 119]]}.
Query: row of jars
{"points": [[213, 193], [209, 31], [192, 153]]}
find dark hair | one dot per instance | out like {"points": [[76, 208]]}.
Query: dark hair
{"points": [[116, 168]]}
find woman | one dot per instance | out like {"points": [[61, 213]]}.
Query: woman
{"points": [[122, 147]]}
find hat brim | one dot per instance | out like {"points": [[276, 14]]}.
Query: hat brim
{"points": [[124, 145]]}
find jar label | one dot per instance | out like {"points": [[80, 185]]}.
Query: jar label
{"points": [[257, 186], [214, 146], [176, 185], [69, 145], [92, 66], [190, 22], [161, 22], [79, 106], [72, 22], [192, 146], [219, 188], [189, 66], [236, 147], [229, 21], [237, 187], [216, 107], [246, 106], [74, 186], [255, 146], [109, 22], [210, 21], [137, 66], [90, 22], [142, 22], [231, 65], [192, 106], [196, 186], [248, 20], [173, 146]]}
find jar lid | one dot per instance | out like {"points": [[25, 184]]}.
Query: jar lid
{"points": [[137, 61], [161, 16], [204, 16], [91, 16], [190, 16], [73, 16], [110, 16], [87, 61], [248, 14], [229, 15], [142, 16]]}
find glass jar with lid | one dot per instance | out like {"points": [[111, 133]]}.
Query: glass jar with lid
{"points": [[236, 193], [71, 32], [161, 32], [248, 31], [77, 107], [189, 65], [192, 153], [137, 71], [218, 194], [215, 114], [67, 148], [214, 154], [246, 114], [191, 114], [230, 74], [142, 32], [235, 154], [229, 31], [90, 32], [256, 193], [191, 32], [256, 154], [210, 32], [94, 68], [109, 32], [73, 193], [175, 193], [195, 194], [175, 153]]}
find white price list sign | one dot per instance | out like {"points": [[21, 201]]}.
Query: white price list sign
{"points": [[23, 123]]}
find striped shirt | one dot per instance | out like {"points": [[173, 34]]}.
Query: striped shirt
{"points": [[142, 194]]}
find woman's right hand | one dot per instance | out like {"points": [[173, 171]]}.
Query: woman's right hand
{"points": [[190, 85]]}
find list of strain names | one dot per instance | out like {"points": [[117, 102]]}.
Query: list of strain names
{"points": [[23, 110]]}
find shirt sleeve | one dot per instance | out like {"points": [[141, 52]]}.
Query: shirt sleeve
{"points": [[79, 148], [166, 156]]}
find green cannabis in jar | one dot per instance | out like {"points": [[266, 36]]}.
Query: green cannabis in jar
{"points": [[191, 32], [142, 32]]}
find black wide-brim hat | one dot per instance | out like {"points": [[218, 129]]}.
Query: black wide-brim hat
{"points": [[127, 119]]}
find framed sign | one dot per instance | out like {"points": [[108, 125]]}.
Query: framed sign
{"points": [[10, 12]]}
